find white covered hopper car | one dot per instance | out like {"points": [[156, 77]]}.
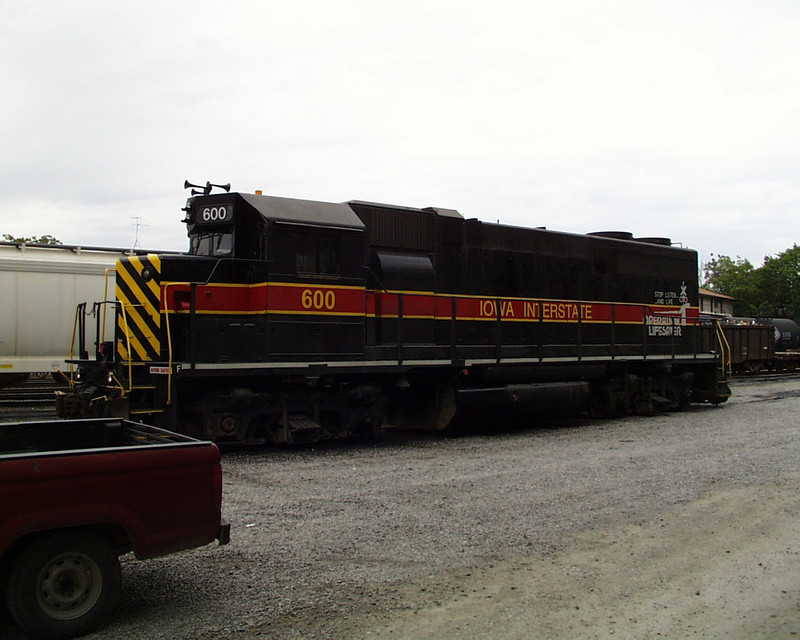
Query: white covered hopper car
{"points": [[42, 286]]}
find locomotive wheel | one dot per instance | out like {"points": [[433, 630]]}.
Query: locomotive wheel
{"points": [[642, 404], [64, 584], [430, 406]]}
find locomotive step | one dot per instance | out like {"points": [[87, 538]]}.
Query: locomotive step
{"points": [[141, 412], [297, 423]]}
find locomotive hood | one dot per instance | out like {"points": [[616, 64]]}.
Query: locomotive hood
{"points": [[304, 211]]}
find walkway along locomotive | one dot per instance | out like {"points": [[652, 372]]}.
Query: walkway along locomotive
{"points": [[295, 321]]}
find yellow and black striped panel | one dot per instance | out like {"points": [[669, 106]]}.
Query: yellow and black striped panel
{"points": [[139, 318]]}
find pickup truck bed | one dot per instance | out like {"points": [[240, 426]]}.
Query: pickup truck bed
{"points": [[77, 494], [64, 436]]}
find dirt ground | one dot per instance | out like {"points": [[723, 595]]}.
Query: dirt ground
{"points": [[725, 566]]}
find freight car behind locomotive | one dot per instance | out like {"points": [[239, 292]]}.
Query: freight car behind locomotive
{"points": [[292, 320], [750, 346], [761, 344], [42, 285]]}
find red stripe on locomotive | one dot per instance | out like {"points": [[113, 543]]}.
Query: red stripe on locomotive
{"points": [[289, 298]]}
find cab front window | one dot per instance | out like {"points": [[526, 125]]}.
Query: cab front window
{"points": [[214, 245]]}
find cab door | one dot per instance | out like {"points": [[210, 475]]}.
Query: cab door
{"points": [[316, 308]]}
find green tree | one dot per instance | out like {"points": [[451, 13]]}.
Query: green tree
{"points": [[45, 239], [779, 280], [736, 278]]}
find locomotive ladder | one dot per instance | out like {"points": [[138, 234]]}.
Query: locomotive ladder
{"points": [[131, 387]]}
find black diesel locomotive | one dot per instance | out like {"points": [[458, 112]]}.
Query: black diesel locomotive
{"points": [[295, 321]]}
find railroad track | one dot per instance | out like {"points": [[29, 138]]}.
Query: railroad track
{"points": [[33, 400], [35, 390]]}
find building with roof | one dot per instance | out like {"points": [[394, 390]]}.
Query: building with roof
{"points": [[715, 304]]}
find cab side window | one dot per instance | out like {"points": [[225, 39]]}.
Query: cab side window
{"points": [[317, 255]]}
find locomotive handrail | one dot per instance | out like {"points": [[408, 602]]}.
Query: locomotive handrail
{"points": [[725, 349], [453, 334], [126, 331], [498, 330], [374, 275], [541, 331], [79, 331], [211, 275], [78, 313], [105, 297], [192, 304], [100, 327], [83, 354], [169, 338], [613, 331], [682, 336]]}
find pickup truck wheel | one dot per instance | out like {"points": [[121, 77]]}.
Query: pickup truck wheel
{"points": [[64, 584]]}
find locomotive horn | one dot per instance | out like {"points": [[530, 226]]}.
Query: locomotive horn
{"points": [[197, 189], [187, 184]]}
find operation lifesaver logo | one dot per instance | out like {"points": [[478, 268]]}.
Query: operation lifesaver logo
{"points": [[664, 326]]}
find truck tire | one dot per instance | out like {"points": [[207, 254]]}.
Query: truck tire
{"points": [[64, 584]]}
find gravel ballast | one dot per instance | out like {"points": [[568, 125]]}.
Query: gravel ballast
{"points": [[413, 535]]}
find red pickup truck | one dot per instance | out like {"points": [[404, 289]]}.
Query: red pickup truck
{"points": [[75, 495]]}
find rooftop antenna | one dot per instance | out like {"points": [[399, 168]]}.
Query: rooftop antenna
{"points": [[137, 223]]}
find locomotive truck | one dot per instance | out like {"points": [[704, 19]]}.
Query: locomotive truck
{"points": [[295, 321]]}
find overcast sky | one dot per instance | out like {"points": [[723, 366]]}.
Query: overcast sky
{"points": [[677, 119]]}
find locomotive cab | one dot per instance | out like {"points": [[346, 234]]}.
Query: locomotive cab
{"points": [[282, 264], [221, 226]]}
